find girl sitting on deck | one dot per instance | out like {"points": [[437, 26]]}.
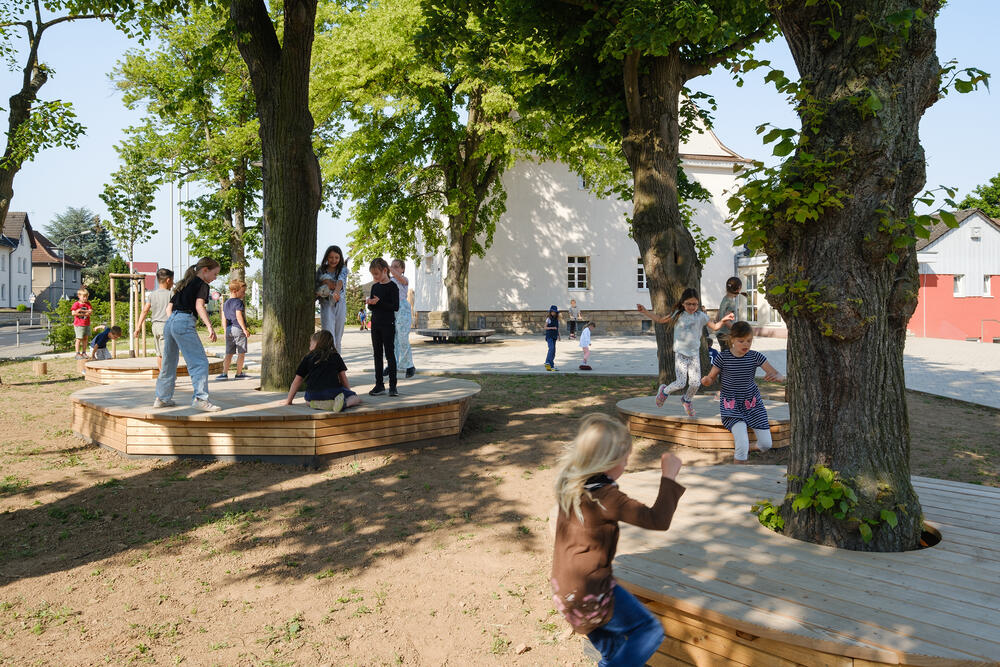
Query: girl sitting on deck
{"points": [[325, 375], [590, 507]]}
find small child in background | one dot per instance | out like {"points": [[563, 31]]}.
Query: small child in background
{"points": [[157, 306], [99, 345], [81, 311], [325, 375], [688, 319], [740, 402], [586, 538], [734, 302], [551, 336], [237, 334], [585, 345], [574, 316], [363, 319]]}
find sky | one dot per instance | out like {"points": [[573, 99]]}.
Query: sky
{"points": [[958, 133]]}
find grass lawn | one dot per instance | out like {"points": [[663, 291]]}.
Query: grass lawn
{"points": [[402, 557]]}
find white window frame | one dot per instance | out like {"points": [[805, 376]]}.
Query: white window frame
{"points": [[641, 281], [574, 266], [753, 297], [958, 285], [986, 285], [774, 316]]}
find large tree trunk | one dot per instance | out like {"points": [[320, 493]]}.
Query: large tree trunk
{"points": [[845, 343], [456, 281], [291, 177], [651, 144]]}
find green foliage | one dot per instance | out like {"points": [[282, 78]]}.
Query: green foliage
{"points": [[61, 334], [354, 297], [51, 123], [985, 197], [769, 515], [21, 308], [78, 230], [129, 198]]}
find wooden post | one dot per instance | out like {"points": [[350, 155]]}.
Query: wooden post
{"points": [[39, 367], [81, 366], [142, 300], [114, 345]]}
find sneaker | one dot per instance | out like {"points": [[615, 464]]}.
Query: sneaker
{"points": [[222, 376], [240, 376], [393, 392], [661, 395], [553, 368], [411, 371], [548, 367], [688, 408], [163, 403], [205, 406], [377, 391]]}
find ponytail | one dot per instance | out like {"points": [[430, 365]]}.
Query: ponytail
{"points": [[192, 271]]}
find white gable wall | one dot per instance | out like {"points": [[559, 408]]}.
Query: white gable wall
{"points": [[957, 253]]}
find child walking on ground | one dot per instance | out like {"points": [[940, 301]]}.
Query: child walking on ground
{"points": [[590, 507], [180, 337], [688, 319], [383, 302], [734, 302], [551, 336], [585, 345], [325, 375], [99, 345], [81, 311], [740, 402], [158, 307], [404, 319], [237, 334]]}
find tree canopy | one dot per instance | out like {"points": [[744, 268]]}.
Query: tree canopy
{"points": [[79, 232], [985, 197]]}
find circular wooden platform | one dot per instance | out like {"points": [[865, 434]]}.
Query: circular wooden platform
{"points": [[134, 369], [730, 592], [257, 425], [705, 431]]}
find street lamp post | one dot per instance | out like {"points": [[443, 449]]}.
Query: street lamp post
{"points": [[62, 251]]}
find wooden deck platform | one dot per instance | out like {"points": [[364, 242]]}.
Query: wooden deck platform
{"points": [[255, 425], [449, 336], [705, 431], [730, 592], [135, 369]]}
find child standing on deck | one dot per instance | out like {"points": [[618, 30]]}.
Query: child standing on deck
{"points": [[585, 345], [237, 334], [325, 375], [404, 319], [551, 336], [157, 306], [81, 310], [688, 319], [180, 337], [740, 402], [590, 507], [383, 302]]}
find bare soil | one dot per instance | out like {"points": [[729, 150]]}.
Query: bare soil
{"points": [[435, 556]]}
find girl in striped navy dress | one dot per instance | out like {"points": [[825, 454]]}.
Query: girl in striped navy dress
{"points": [[740, 402]]}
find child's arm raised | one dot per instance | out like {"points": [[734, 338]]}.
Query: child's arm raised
{"points": [[661, 319], [771, 374], [296, 385], [715, 326]]}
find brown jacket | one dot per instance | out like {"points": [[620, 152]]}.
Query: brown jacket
{"points": [[581, 565]]}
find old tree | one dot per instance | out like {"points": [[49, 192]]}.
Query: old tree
{"points": [[836, 221]]}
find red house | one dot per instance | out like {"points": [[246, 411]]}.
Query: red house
{"points": [[960, 280], [149, 268]]}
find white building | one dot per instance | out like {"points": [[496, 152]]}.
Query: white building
{"points": [[16, 244], [557, 241]]}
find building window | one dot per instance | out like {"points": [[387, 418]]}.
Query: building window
{"points": [[753, 297], [958, 288], [578, 273], [986, 285], [773, 316], [640, 272], [3, 292], [3, 262]]}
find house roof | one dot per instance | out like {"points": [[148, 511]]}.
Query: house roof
{"points": [[941, 228], [44, 253], [14, 224]]}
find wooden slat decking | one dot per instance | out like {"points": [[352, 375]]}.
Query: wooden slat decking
{"points": [[259, 425], [705, 431], [134, 369], [731, 592]]}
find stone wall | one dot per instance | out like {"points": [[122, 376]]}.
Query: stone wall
{"points": [[608, 322]]}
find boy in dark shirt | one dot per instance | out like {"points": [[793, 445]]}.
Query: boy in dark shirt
{"points": [[99, 344], [383, 301], [237, 334]]}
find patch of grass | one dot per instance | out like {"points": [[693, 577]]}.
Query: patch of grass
{"points": [[500, 645], [12, 484], [112, 483]]}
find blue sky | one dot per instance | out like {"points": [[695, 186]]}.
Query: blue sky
{"points": [[959, 133]]}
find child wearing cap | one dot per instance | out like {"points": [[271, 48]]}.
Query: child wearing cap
{"points": [[551, 336]]}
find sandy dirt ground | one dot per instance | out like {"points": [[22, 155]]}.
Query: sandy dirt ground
{"points": [[431, 556]]}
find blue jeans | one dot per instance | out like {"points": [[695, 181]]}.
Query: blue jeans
{"points": [[179, 336], [632, 635], [550, 358]]}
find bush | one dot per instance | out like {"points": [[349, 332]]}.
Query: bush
{"points": [[21, 308], [62, 334]]}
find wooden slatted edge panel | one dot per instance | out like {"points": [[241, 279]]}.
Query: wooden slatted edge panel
{"points": [[718, 436], [667, 424], [94, 418], [355, 417], [720, 440], [387, 440], [218, 439], [358, 427], [209, 430], [219, 450], [466, 408], [450, 425]]}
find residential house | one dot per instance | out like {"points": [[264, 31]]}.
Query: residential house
{"points": [[960, 280], [53, 276], [16, 245]]}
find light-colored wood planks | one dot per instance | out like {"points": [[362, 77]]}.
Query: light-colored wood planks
{"points": [[136, 369], [730, 592]]}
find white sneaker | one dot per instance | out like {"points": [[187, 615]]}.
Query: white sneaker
{"points": [[205, 406], [165, 403]]}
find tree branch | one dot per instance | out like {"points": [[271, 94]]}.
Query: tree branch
{"points": [[694, 68], [631, 74], [74, 17]]}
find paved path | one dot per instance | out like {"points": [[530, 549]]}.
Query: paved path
{"points": [[32, 342]]}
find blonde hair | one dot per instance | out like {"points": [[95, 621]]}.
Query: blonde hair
{"points": [[84, 291], [601, 443], [236, 284]]}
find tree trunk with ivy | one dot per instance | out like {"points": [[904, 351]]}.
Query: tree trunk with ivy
{"points": [[651, 144], [279, 72], [846, 281]]}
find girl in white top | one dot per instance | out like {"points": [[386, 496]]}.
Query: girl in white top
{"points": [[585, 345], [688, 319], [404, 318], [332, 275]]}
